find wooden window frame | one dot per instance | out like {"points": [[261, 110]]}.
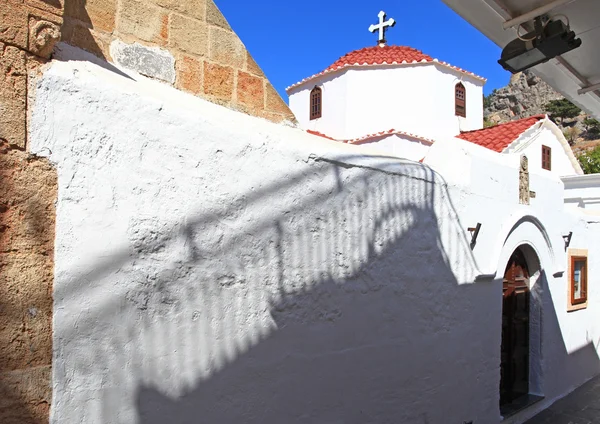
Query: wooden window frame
{"points": [[460, 104], [576, 255], [546, 158], [316, 103]]}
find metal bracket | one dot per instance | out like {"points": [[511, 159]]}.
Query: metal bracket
{"points": [[474, 233], [567, 239]]}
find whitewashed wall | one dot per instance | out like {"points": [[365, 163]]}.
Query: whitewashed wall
{"points": [[417, 99], [583, 191], [213, 265], [566, 354], [531, 142], [334, 106]]}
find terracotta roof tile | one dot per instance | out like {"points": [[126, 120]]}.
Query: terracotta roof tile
{"points": [[366, 138], [320, 134], [499, 137], [381, 55], [386, 55]]}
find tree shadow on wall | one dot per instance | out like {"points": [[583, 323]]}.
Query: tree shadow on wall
{"points": [[345, 305], [350, 312]]}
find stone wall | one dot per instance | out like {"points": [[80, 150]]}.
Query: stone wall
{"points": [[27, 195], [28, 32], [207, 58]]}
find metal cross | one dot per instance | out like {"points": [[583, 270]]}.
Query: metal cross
{"points": [[382, 26]]}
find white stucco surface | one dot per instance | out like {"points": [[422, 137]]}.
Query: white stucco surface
{"points": [[210, 264], [583, 191], [418, 99], [546, 133]]}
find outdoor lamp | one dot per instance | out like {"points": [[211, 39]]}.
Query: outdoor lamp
{"points": [[545, 42]]}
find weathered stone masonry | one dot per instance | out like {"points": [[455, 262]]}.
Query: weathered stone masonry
{"points": [[210, 59], [27, 195], [28, 33]]}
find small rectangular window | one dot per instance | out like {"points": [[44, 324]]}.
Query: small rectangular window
{"points": [[578, 279], [546, 158]]}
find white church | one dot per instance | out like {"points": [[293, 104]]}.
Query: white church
{"points": [[360, 266], [417, 90]]}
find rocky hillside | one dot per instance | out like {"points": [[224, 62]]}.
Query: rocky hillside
{"points": [[525, 95]]}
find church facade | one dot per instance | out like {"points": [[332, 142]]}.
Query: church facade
{"points": [[202, 261]]}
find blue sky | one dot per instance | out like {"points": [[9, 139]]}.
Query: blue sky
{"points": [[292, 40]]}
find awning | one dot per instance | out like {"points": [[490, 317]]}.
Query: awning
{"points": [[570, 74]]}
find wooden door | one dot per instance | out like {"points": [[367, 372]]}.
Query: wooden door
{"points": [[514, 366]]}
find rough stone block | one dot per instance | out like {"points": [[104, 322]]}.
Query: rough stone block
{"points": [[192, 8], [252, 66], [144, 21], [270, 116], [189, 35], [250, 90], [13, 94], [97, 14], [25, 396], [214, 16], [77, 34], [153, 62], [190, 74], [218, 81], [226, 48], [274, 102], [14, 23], [55, 7], [27, 215]]}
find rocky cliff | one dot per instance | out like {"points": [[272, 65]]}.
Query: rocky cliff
{"points": [[525, 95]]}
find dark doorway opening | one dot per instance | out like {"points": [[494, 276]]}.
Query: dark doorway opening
{"points": [[514, 365]]}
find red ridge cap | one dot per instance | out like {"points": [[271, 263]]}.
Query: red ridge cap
{"points": [[386, 55]]}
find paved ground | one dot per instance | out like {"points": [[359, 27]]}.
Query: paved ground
{"points": [[580, 407]]}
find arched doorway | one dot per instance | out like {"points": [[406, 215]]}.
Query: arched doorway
{"points": [[514, 362]]}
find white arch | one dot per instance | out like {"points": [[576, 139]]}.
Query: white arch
{"points": [[522, 228]]}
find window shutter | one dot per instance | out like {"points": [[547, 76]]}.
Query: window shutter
{"points": [[316, 103], [460, 100], [546, 158]]}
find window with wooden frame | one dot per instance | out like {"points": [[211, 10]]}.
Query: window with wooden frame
{"points": [[578, 279], [546, 158], [316, 103], [460, 100]]}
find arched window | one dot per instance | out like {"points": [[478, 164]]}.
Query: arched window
{"points": [[316, 103], [460, 100]]}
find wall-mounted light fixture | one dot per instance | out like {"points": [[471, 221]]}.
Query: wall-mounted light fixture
{"points": [[549, 39], [474, 233], [567, 239]]}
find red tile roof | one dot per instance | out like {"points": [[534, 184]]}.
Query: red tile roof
{"points": [[499, 137], [320, 134], [386, 55], [381, 55]]}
